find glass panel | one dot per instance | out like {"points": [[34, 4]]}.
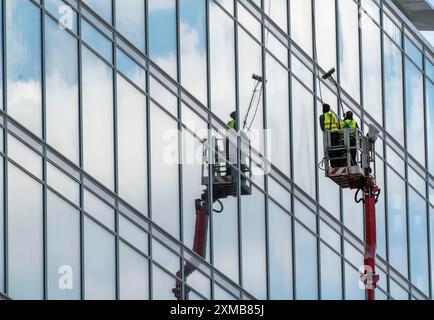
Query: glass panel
{"points": [[304, 140], [129, 68], [98, 119], [165, 172], [325, 20], [413, 52], [222, 63], [23, 23], [24, 156], [392, 30], [305, 264], [415, 112], [397, 224], [430, 124], [393, 84], [193, 47], [102, 8], [162, 285], [25, 244], [130, 21], [372, 77], [162, 34], [133, 274], [60, 182], [96, 40], [63, 245], [99, 263], [253, 244], [132, 149], [277, 10], [64, 13], [280, 255], [352, 275], [349, 47], [301, 24], [418, 242], [2, 217], [331, 274], [278, 115], [62, 91], [99, 210]]}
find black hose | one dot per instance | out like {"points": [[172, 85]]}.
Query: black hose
{"points": [[355, 196], [221, 207]]}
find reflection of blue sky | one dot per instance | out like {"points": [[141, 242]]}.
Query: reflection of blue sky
{"points": [[24, 45], [102, 7], [162, 30], [192, 13]]}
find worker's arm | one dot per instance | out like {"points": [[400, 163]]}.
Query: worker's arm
{"points": [[321, 122]]}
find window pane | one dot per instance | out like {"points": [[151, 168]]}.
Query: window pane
{"points": [[162, 34], [134, 274], [193, 47], [102, 8], [63, 240], [99, 262], [349, 47], [301, 24], [306, 264], [24, 236], [414, 112], [397, 225], [281, 286], [23, 23], [132, 145], [325, 17], [372, 78], [62, 91], [253, 244], [278, 115], [130, 21], [165, 172], [304, 140], [394, 113], [222, 63], [98, 119], [430, 124], [2, 217], [418, 242]]}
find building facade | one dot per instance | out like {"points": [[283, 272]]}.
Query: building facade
{"points": [[106, 104]]}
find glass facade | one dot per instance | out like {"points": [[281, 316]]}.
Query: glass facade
{"points": [[106, 106]]}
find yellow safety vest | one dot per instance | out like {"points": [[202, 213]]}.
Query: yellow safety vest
{"points": [[231, 124], [331, 122], [349, 124]]}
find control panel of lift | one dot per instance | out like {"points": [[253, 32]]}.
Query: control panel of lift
{"points": [[349, 156]]}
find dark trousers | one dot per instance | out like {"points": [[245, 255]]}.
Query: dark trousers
{"points": [[353, 145], [336, 156]]}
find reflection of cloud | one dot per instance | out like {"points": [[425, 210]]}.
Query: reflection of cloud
{"points": [[24, 103], [62, 116], [193, 62], [156, 5]]}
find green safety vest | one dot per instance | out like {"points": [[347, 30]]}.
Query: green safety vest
{"points": [[331, 122], [349, 124], [231, 124]]}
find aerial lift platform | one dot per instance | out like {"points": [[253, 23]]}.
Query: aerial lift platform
{"points": [[219, 166]]}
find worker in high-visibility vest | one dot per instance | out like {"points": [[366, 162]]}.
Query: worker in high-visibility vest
{"points": [[231, 143], [233, 122], [329, 121], [350, 124]]}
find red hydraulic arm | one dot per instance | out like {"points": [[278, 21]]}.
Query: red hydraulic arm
{"points": [[199, 246], [371, 194]]}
